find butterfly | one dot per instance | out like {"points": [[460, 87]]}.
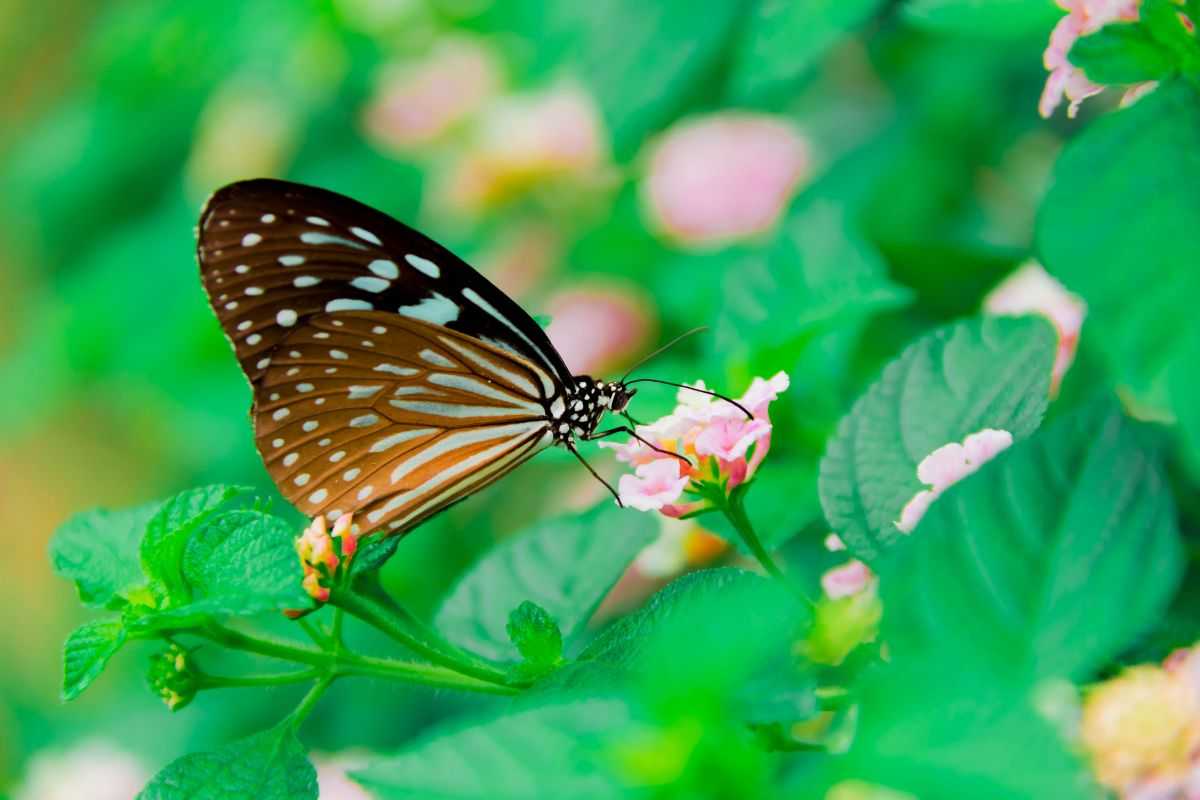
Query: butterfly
{"points": [[390, 379]]}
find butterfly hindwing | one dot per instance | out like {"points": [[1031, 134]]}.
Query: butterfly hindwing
{"points": [[393, 418], [273, 254]]}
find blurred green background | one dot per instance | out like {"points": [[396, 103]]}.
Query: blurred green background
{"points": [[893, 160]]}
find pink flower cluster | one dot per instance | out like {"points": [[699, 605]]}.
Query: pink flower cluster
{"points": [[1032, 290], [724, 447], [1141, 729], [1083, 17], [726, 176], [319, 556]]}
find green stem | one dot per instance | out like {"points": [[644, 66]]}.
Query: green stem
{"points": [[405, 629], [350, 664], [296, 718], [734, 509], [269, 679]]}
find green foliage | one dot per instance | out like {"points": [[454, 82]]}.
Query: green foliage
{"points": [[86, 653], [784, 39], [536, 636], [98, 551], [271, 765], [556, 750], [982, 373], [1073, 525], [1118, 225], [565, 565], [1122, 53], [1003, 19], [168, 533]]}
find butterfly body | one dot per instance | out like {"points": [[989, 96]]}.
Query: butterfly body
{"points": [[390, 379]]}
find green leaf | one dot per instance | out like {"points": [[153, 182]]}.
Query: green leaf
{"points": [[86, 653], [991, 372], [785, 38], [704, 637], [641, 61], [942, 733], [239, 562], [781, 501], [557, 750], [1013, 569], [271, 765], [1122, 53], [994, 19], [168, 533], [99, 551], [1118, 226], [814, 275], [535, 634], [564, 565], [1184, 388]]}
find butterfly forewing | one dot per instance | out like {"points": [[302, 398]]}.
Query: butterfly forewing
{"points": [[273, 253], [394, 418]]}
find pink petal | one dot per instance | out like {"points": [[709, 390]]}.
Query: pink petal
{"points": [[724, 176], [848, 579], [653, 485]]}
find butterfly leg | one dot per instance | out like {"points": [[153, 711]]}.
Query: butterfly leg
{"points": [[571, 446], [625, 429]]}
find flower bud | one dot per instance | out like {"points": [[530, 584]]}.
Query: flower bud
{"points": [[172, 677]]}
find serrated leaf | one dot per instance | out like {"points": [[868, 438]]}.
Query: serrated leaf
{"points": [[814, 274], [98, 550], [556, 750], [786, 38], [86, 653], [1048, 563], [1118, 226], [271, 765], [981, 373], [167, 535], [564, 565], [1122, 53]]}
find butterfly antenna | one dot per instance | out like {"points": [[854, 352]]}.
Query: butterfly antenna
{"points": [[662, 349], [717, 395]]}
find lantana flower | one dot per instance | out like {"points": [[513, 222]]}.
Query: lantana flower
{"points": [[1083, 17], [1032, 290], [325, 555], [948, 465], [593, 326], [525, 140], [725, 176], [724, 449], [418, 102], [1141, 729]]}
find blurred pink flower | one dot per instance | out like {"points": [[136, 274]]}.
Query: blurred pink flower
{"points": [[848, 579], [595, 327], [1084, 17], [521, 257], [1141, 730], [681, 545], [1031, 290], [948, 465], [725, 447], [525, 140], [417, 102], [95, 770], [724, 176], [332, 777]]}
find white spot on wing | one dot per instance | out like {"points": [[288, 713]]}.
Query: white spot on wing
{"points": [[317, 221], [318, 496], [338, 354], [280, 414], [395, 370], [267, 218], [365, 235], [423, 265], [301, 479], [351, 474], [310, 426], [305, 281], [384, 268], [365, 421], [253, 339], [434, 357], [437, 309], [290, 458], [348, 304], [363, 392], [291, 261], [314, 237], [251, 239], [287, 318], [368, 284]]}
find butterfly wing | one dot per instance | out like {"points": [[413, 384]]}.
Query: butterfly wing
{"points": [[392, 418], [274, 253]]}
